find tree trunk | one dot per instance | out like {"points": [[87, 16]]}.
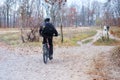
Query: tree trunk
{"points": [[14, 20], [61, 33], [22, 36], [7, 16], [61, 26], [0, 20], [119, 22]]}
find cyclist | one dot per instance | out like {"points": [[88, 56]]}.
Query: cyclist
{"points": [[47, 31]]}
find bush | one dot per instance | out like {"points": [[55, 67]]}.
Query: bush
{"points": [[116, 56], [115, 32]]}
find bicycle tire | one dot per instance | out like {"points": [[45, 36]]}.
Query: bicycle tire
{"points": [[45, 58], [45, 53]]}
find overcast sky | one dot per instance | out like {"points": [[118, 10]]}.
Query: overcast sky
{"points": [[69, 2], [1, 2]]}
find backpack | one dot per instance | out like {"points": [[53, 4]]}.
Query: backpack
{"points": [[48, 30]]}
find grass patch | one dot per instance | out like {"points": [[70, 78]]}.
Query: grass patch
{"points": [[110, 42], [10, 38], [71, 36], [87, 41]]}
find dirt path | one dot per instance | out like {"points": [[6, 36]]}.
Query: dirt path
{"points": [[69, 63]]}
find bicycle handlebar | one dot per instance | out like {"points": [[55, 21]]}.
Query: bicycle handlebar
{"points": [[55, 35]]}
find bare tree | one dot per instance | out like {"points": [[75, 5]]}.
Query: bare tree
{"points": [[112, 12], [0, 16], [59, 4], [8, 4], [30, 17], [3, 15], [117, 10], [22, 20], [96, 7]]}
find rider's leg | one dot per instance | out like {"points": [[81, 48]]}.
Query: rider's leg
{"points": [[50, 40], [44, 40]]}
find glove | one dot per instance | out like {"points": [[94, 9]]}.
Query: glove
{"points": [[56, 34]]}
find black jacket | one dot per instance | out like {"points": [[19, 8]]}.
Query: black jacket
{"points": [[47, 29]]}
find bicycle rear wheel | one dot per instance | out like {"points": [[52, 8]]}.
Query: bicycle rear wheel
{"points": [[45, 58], [45, 54]]}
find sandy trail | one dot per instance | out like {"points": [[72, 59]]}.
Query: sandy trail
{"points": [[70, 63]]}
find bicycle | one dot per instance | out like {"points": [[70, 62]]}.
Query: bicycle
{"points": [[46, 49]]}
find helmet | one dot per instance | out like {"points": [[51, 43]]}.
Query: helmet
{"points": [[47, 20]]}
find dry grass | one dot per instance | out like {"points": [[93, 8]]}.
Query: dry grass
{"points": [[110, 42], [97, 68], [106, 66], [8, 29], [87, 41], [115, 31], [10, 38], [71, 36]]}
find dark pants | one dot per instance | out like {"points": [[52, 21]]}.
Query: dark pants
{"points": [[50, 42]]}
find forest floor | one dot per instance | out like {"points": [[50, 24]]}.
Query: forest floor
{"points": [[84, 62]]}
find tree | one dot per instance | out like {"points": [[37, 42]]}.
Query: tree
{"points": [[0, 16], [27, 19], [83, 15], [72, 16], [3, 15], [22, 20], [8, 4], [117, 10], [59, 4], [112, 12], [96, 7]]}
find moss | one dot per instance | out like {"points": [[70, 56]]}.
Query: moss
{"points": [[87, 41]]}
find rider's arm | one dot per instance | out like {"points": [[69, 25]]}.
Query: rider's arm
{"points": [[55, 31], [40, 30]]}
